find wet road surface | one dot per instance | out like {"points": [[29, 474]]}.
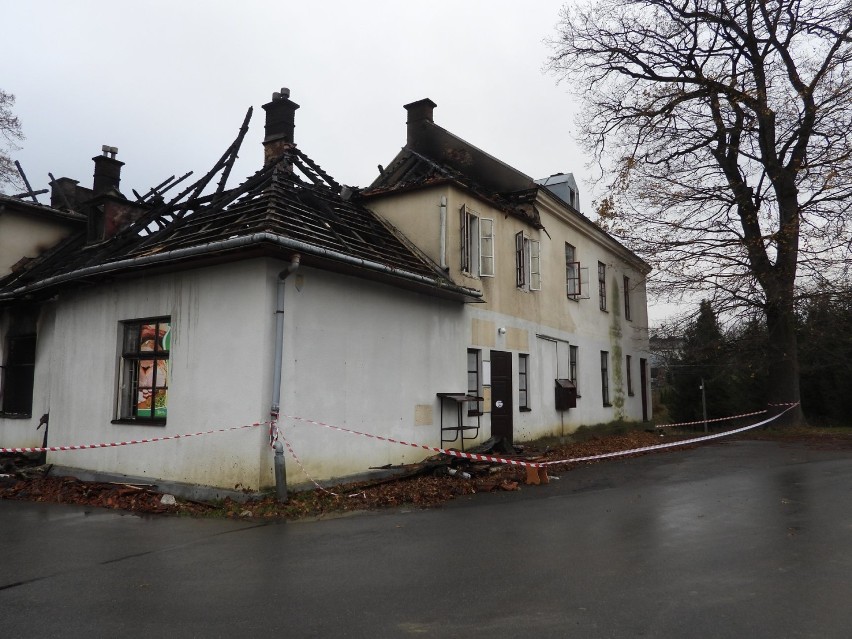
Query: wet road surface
{"points": [[740, 539]]}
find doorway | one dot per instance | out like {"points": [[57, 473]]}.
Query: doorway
{"points": [[502, 406]]}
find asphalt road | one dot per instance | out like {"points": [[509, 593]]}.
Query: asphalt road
{"points": [[743, 539]]}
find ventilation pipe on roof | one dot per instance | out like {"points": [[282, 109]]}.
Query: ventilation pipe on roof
{"points": [[280, 471]]}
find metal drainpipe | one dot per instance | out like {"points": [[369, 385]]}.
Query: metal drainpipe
{"points": [[443, 231], [280, 471]]}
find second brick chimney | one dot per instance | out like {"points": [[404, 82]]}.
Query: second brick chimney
{"points": [[107, 170]]}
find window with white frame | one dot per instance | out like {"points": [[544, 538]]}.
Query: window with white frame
{"points": [[627, 298], [144, 370], [527, 262], [573, 285], [523, 383], [477, 243], [602, 285], [605, 378]]}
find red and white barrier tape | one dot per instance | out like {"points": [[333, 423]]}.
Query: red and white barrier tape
{"points": [[445, 451], [515, 462], [280, 434], [129, 442], [716, 419]]}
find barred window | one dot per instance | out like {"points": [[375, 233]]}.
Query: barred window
{"points": [[144, 370]]}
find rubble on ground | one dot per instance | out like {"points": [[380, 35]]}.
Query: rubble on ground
{"points": [[430, 483]]}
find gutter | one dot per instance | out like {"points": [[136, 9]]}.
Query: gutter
{"points": [[230, 244]]}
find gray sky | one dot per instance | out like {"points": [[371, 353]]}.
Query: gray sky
{"points": [[168, 83]]}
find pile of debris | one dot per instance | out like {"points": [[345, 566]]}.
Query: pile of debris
{"points": [[429, 483]]}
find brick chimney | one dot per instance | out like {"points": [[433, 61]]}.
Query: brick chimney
{"points": [[63, 194], [418, 113], [107, 170], [280, 123]]}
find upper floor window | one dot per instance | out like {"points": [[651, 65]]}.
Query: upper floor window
{"points": [[602, 285], [527, 262], [477, 244], [573, 286], [144, 370], [627, 298]]}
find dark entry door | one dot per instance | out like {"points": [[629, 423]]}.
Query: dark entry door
{"points": [[501, 394], [643, 380]]}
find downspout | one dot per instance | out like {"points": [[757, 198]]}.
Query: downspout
{"points": [[277, 355], [444, 232]]}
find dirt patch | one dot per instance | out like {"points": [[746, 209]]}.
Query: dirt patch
{"points": [[449, 479]]}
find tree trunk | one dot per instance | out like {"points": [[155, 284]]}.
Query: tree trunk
{"points": [[783, 361]]}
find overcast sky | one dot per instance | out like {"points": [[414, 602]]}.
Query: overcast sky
{"points": [[168, 83]]}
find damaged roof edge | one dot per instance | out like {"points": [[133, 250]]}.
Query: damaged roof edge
{"points": [[237, 242]]}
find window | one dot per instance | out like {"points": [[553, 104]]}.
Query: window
{"points": [[602, 285], [486, 247], [477, 244], [527, 263], [626, 298], [19, 375], [144, 371], [605, 377], [523, 383], [572, 364], [473, 361], [572, 272], [628, 362]]}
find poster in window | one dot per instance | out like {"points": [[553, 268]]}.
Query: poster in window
{"points": [[153, 373]]}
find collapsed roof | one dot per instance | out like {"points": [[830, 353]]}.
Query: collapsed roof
{"points": [[289, 206]]}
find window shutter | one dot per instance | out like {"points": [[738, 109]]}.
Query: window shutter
{"points": [[535, 265], [464, 235], [520, 260], [486, 246]]}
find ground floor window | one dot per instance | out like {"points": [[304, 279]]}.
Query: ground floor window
{"points": [[523, 383], [573, 355], [474, 363], [144, 370], [605, 377], [629, 375], [19, 375]]}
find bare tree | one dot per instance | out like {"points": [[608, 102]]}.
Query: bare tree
{"points": [[10, 134], [728, 128]]}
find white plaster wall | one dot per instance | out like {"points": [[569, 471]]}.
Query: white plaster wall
{"points": [[221, 330], [364, 356]]}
